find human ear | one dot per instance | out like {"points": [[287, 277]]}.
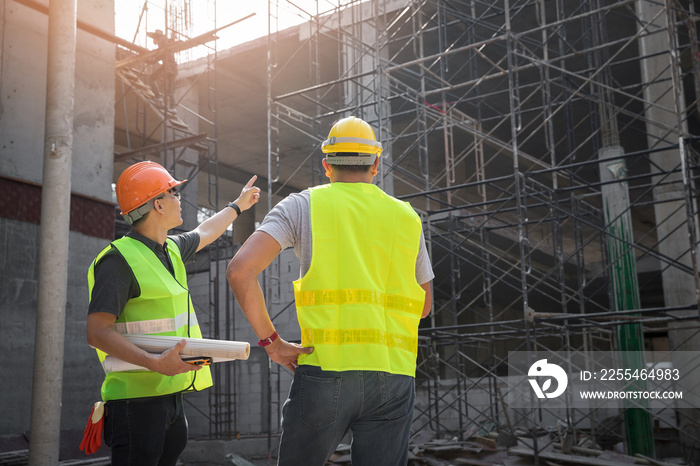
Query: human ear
{"points": [[327, 166]]}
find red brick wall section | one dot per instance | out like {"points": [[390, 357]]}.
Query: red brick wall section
{"points": [[21, 200]]}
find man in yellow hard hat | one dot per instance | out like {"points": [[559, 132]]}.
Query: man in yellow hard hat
{"points": [[138, 285], [364, 286]]}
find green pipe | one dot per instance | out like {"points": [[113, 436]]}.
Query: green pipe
{"points": [[625, 289]]}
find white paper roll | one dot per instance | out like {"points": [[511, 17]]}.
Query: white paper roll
{"points": [[112, 364], [218, 350], [194, 347]]}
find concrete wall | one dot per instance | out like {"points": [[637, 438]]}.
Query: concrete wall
{"points": [[23, 58], [23, 96]]}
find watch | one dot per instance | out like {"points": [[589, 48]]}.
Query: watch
{"points": [[268, 341], [234, 207]]}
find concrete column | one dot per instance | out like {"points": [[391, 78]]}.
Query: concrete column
{"points": [[671, 218], [679, 287], [45, 427]]}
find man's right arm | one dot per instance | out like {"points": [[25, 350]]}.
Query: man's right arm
{"points": [[424, 276], [114, 286], [101, 334], [428, 304]]}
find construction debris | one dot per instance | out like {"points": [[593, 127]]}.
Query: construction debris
{"points": [[502, 448], [233, 459], [21, 458]]}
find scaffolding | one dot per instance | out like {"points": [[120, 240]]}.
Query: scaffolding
{"points": [[549, 147], [551, 151], [177, 126]]}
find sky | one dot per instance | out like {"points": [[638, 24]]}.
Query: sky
{"points": [[202, 18]]}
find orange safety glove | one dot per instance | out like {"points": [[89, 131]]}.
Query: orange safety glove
{"points": [[92, 436]]}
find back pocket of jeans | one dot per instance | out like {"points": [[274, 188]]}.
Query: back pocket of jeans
{"points": [[319, 400], [398, 393]]}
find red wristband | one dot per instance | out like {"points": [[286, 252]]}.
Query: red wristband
{"points": [[268, 341]]}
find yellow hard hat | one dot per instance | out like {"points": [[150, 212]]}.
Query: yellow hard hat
{"points": [[351, 141]]}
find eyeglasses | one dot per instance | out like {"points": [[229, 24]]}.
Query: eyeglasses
{"points": [[174, 192]]}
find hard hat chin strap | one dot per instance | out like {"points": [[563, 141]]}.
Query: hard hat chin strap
{"points": [[139, 212]]}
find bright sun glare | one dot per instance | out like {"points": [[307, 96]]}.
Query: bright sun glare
{"points": [[195, 17]]}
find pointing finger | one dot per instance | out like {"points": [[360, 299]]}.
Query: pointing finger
{"points": [[252, 180]]}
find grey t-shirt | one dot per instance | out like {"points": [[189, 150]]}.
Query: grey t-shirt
{"points": [[289, 223]]}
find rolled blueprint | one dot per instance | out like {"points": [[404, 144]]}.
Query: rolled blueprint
{"points": [[194, 347], [112, 364], [218, 350]]}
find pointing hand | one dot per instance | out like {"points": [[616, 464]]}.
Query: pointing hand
{"points": [[249, 195]]}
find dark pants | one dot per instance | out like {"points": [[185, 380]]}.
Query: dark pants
{"points": [[377, 407], [151, 431]]}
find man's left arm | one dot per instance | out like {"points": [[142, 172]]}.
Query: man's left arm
{"points": [[213, 227]]}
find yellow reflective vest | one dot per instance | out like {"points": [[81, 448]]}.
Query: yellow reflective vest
{"points": [[164, 307], [359, 304]]}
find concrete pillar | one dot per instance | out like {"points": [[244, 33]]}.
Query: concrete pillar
{"points": [[671, 218], [45, 424]]}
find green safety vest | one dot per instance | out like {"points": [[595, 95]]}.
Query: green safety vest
{"points": [[164, 307], [359, 304]]}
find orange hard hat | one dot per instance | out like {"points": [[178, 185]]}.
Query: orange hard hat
{"points": [[140, 183]]}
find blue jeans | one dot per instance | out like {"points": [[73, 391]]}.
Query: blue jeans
{"points": [[377, 407], [147, 431]]}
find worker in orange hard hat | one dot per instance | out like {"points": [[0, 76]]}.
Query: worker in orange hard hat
{"points": [[364, 286], [138, 285], [138, 187]]}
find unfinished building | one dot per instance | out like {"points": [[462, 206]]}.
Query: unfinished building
{"points": [[549, 147]]}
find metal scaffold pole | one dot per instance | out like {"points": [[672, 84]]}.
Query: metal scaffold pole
{"points": [[45, 424]]}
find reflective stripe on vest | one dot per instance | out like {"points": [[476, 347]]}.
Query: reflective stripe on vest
{"points": [[359, 304], [163, 307], [318, 297], [362, 336], [146, 327]]}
